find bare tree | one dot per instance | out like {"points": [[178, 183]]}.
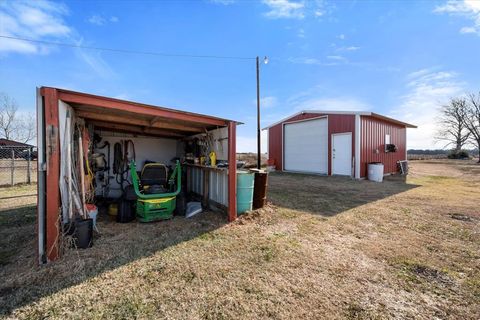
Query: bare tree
{"points": [[472, 120], [14, 125], [451, 124]]}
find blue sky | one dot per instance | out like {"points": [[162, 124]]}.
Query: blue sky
{"points": [[401, 59]]}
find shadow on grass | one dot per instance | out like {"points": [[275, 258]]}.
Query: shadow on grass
{"points": [[24, 282], [330, 195]]}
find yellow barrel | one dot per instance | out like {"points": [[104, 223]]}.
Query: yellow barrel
{"points": [[113, 209]]}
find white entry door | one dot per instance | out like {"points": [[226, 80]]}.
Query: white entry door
{"points": [[306, 146], [342, 154]]}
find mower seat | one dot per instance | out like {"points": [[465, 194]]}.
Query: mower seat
{"points": [[154, 177]]}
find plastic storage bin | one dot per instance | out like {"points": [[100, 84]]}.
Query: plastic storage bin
{"points": [[375, 171]]}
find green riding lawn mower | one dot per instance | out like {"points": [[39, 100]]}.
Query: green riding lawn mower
{"points": [[156, 193]]}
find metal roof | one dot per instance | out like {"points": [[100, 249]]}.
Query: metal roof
{"points": [[361, 113]]}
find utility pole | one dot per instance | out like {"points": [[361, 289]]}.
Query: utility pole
{"points": [[259, 154]]}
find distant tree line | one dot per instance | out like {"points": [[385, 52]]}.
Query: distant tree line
{"points": [[435, 152], [459, 125], [15, 125]]}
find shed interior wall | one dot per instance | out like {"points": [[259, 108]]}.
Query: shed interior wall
{"points": [[154, 149]]}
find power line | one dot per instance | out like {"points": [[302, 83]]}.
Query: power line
{"points": [[152, 53]]}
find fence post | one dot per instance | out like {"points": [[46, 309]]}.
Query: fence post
{"points": [[28, 166], [12, 168]]}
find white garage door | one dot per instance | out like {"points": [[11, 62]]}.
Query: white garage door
{"points": [[306, 146]]}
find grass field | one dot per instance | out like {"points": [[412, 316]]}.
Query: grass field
{"points": [[325, 247], [19, 169]]}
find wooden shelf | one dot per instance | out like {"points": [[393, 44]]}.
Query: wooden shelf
{"points": [[207, 168]]}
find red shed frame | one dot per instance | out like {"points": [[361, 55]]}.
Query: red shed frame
{"points": [[118, 115]]}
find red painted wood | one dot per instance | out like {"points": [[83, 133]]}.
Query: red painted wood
{"points": [[110, 103], [373, 133], [232, 171], [53, 173]]}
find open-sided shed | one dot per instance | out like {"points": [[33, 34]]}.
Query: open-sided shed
{"points": [[159, 134]]}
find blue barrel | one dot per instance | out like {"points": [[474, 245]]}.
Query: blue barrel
{"points": [[245, 182]]}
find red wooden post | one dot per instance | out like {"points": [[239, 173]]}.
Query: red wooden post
{"points": [[232, 171], [53, 173]]}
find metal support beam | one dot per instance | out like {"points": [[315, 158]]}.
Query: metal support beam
{"points": [[259, 144], [232, 171]]}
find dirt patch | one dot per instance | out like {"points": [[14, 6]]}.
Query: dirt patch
{"points": [[461, 217]]}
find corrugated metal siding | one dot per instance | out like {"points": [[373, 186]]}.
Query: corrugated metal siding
{"points": [[195, 180], [373, 137], [218, 187], [218, 184], [275, 146], [337, 123]]}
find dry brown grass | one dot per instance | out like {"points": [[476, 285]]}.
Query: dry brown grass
{"points": [[327, 247], [250, 159]]}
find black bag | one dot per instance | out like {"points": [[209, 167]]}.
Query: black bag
{"points": [[126, 211]]}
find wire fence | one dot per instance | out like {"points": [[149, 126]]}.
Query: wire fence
{"points": [[18, 165]]}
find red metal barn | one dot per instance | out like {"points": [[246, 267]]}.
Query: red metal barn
{"points": [[336, 142], [158, 134]]}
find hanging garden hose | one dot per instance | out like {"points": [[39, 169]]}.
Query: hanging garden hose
{"points": [[121, 160]]}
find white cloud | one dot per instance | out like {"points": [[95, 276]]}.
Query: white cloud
{"points": [[338, 58], [350, 48], [333, 104], [95, 61], [43, 20], [33, 20], [314, 99], [284, 9], [268, 102], [469, 9], [100, 20], [468, 30], [341, 36], [305, 60], [331, 61], [301, 33], [123, 96], [97, 20], [427, 89]]}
